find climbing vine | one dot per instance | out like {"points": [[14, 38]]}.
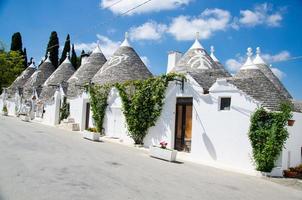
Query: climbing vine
{"points": [[268, 134], [64, 110], [142, 103], [98, 102]]}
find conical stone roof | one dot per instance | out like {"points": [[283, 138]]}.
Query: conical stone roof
{"points": [[252, 81], [85, 72], [21, 80], [263, 66], [38, 78], [201, 66], [60, 76], [124, 65]]}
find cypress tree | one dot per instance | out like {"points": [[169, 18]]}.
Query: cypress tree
{"points": [[53, 48], [25, 57], [73, 59], [16, 44], [65, 49]]}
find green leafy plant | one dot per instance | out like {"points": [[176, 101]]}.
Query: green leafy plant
{"points": [[4, 109], [142, 103], [94, 130], [98, 102], [64, 110], [268, 134]]}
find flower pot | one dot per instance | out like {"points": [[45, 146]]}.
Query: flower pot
{"points": [[290, 174], [25, 118], [5, 113], [91, 136], [164, 154], [290, 122]]}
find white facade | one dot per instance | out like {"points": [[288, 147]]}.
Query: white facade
{"points": [[78, 110]]}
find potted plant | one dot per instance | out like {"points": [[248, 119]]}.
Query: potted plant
{"points": [[4, 110], [91, 134], [162, 152], [290, 122], [290, 174]]}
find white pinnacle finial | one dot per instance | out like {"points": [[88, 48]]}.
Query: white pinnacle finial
{"points": [[249, 52], [212, 49], [258, 60], [212, 54], [197, 35], [249, 63], [97, 48], [67, 58], [126, 35], [48, 57], [32, 65], [197, 44], [258, 51], [126, 42]]}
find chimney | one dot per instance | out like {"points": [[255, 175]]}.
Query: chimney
{"points": [[173, 58]]}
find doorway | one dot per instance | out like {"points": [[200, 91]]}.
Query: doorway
{"points": [[87, 116], [183, 124]]}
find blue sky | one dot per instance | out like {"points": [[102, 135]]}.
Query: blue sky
{"points": [[160, 26]]}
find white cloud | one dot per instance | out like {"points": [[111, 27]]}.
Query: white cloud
{"points": [[209, 22], [120, 7], [261, 14], [108, 46], [148, 31], [278, 73], [145, 60], [233, 65], [282, 56]]}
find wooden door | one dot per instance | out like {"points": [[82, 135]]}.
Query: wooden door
{"points": [[87, 115], [183, 124]]}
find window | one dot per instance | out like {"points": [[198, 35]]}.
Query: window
{"points": [[225, 103]]}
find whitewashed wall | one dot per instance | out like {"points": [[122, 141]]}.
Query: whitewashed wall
{"points": [[52, 110], [291, 155], [218, 137], [1, 104], [115, 121], [78, 110], [11, 107]]}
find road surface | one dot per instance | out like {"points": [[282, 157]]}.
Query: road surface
{"points": [[42, 162]]}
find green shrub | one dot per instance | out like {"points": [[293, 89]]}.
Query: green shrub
{"points": [[268, 134], [64, 110], [4, 109], [98, 102], [142, 102]]}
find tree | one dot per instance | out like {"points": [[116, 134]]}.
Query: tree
{"points": [[16, 44], [25, 58], [53, 48], [73, 59], [11, 66], [65, 49]]}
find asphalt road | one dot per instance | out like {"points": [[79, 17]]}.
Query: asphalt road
{"points": [[42, 162]]}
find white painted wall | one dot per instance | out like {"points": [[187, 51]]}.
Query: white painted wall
{"points": [[78, 110], [218, 137], [52, 110], [115, 122], [291, 155], [11, 107]]}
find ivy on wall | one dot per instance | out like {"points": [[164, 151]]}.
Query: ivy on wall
{"points": [[98, 102], [268, 134], [142, 102], [64, 110]]}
